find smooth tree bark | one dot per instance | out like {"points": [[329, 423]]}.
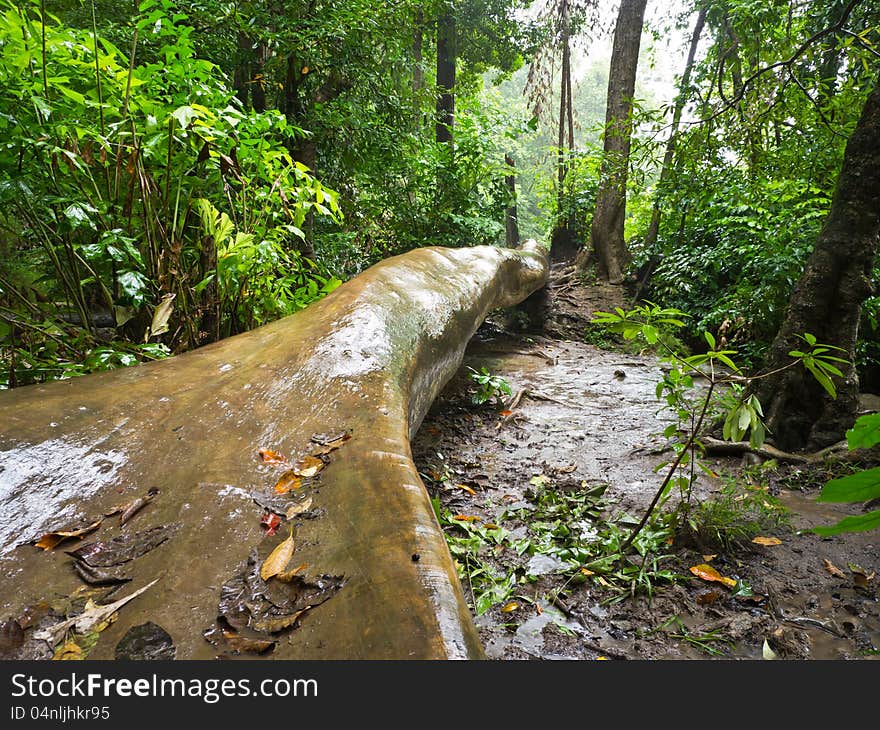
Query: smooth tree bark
{"points": [[511, 221], [606, 233], [827, 301]]}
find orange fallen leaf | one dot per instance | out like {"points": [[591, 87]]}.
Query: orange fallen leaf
{"points": [[287, 481], [767, 541], [278, 558], [587, 571], [467, 518], [833, 569], [467, 489], [53, 539], [510, 607], [491, 526], [538, 609], [272, 457], [308, 466], [271, 522], [505, 413], [708, 573]]}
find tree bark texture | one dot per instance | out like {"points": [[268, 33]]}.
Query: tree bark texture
{"points": [[446, 62], [367, 360], [827, 300], [606, 233]]}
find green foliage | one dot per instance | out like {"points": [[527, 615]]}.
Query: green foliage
{"points": [[740, 511], [489, 386], [106, 170], [741, 411], [862, 486]]}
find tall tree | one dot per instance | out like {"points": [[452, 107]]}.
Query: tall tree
{"points": [[606, 233], [828, 298], [678, 109], [447, 55]]}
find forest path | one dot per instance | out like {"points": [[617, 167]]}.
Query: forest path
{"points": [[588, 422]]}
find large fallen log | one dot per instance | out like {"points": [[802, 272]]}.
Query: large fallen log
{"points": [[332, 395]]}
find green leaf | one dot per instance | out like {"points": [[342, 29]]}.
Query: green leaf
{"points": [[855, 523], [858, 487], [710, 338], [184, 115], [865, 433]]}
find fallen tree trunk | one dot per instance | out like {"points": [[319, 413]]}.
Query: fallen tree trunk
{"points": [[370, 576]]}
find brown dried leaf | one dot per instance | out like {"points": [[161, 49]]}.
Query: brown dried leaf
{"points": [[272, 457], [238, 643], [467, 489], [70, 650], [287, 481], [273, 624], [278, 558], [297, 508], [467, 518], [288, 575], [307, 466], [51, 540], [136, 505], [709, 597], [328, 446], [833, 569], [768, 541]]}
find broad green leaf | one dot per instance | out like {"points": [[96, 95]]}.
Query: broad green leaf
{"points": [[858, 487], [710, 338], [865, 433], [855, 523]]}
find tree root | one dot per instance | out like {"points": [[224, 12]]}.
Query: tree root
{"points": [[718, 447]]}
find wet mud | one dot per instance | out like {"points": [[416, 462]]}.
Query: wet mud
{"points": [[588, 419]]}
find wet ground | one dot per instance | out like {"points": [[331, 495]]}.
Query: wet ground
{"points": [[527, 489]]}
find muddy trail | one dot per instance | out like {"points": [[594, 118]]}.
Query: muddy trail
{"points": [[536, 489]]}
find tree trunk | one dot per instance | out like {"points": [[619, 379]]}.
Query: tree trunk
{"points": [[606, 234], [827, 300], [563, 245], [446, 61], [511, 224], [367, 360], [669, 155]]}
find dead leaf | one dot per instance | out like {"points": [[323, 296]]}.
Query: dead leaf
{"points": [[603, 582], [278, 558], [707, 598], [505, 413], [833, 569], [860, 575], [328, 446], [70, 650], [767, 541], [707, 572], [271, 522], [272, 457], [161, 315], [239, 643], [135, 506], [510, 607], [51, 540], [88, 619], [587, 571], [491, 526], [467, 489], [287, 481], [124, 548], [767, 652], [307, 466], [275, 624], [297, 508], [97, 577], [709, 558], [288, 575], [467, 518]]}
